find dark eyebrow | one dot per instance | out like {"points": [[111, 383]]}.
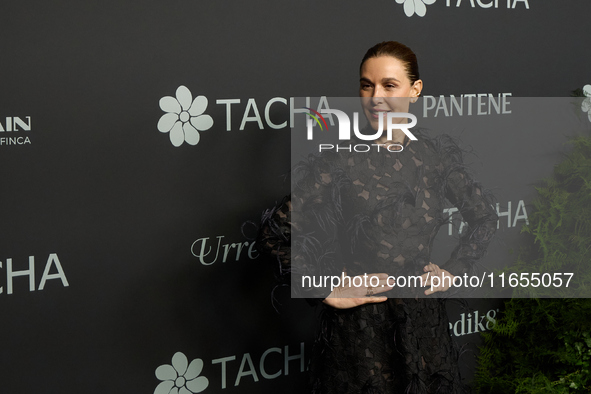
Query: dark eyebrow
{"points": [[389, 79], [384, 80]]}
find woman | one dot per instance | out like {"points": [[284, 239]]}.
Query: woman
{"points": [[380, 212]]}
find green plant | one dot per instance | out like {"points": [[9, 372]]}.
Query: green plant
{"points": [[544, 345]]}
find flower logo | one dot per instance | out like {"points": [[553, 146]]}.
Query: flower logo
{"points": [[179, 378], [418, 7], [184, 117], [586, 105]]}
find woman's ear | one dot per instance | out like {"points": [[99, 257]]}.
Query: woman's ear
{"points": [[416, 89]]}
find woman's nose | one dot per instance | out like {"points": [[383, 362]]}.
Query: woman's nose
{"points": [[377, 96]]}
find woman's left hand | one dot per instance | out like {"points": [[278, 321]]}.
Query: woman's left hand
{"points": [[445, 279]]}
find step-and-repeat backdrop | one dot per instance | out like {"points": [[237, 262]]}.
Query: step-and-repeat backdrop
{"points": [[141, 141]]}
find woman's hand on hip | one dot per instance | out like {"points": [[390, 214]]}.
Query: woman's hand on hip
{"points": [[433, 271], [347, 295]]}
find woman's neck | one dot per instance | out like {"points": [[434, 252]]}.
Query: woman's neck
{"points": [[398, 138]]}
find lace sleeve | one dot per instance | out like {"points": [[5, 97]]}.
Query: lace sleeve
{"points": [[475, 205], [274, 237], [302, 231]]}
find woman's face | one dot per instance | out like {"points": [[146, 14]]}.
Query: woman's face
{"points": [[385, 87]]}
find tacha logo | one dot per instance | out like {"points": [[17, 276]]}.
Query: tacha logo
{"points": [[184, 117], [234, 370], [418, 7], [181, 377]]}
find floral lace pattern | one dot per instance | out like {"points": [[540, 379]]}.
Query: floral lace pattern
{"points": [[379, 213]]}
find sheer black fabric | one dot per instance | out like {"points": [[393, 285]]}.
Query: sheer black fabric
{"points": [[379, 212]]}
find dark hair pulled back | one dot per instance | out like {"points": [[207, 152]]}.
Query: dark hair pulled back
{"points": [[398, 51]]}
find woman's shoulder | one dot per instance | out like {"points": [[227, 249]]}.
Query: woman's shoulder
{"points": [[319, 170], [439, 146], [318, 161]]}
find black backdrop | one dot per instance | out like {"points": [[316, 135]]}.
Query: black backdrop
{"points": [[103, 218]]}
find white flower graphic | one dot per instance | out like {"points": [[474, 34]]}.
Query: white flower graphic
{"points": [[184, 118], [586, 105], [180, 379], [418, 7]]}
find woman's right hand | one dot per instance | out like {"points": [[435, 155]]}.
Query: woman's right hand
{"points": [[349, 296]]}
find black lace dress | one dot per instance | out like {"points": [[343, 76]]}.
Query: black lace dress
{"points": [[379, 212]]}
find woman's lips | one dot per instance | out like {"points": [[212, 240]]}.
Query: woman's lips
{"points": [[376, 113]]}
